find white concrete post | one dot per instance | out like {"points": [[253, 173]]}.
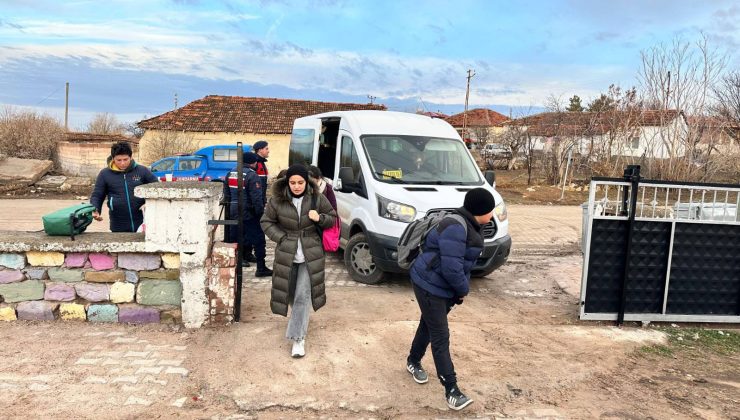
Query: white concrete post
{"points": [[176, 219]]}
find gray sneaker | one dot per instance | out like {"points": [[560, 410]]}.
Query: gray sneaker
{"points": [[456, 400], [417, 372]]}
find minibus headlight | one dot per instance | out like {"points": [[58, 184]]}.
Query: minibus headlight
{"points": [[395, 211], [500, 212]]}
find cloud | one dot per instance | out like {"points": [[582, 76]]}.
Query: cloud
{"points": [[9, 24]]}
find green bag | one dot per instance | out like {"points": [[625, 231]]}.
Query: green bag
{"points": [[69, 221]]}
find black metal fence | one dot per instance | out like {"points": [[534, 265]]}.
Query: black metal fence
{"points": [[661, 251]]}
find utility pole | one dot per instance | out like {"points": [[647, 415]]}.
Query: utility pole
{"points": [[471, 73], [66, 109], [371, 98], [667, 92], [175, 100]]}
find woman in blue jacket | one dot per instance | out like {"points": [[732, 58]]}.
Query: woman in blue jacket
{"points": [[441, 279], [117, 183]]}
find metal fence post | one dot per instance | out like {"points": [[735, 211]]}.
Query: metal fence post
{"points": [[632, 175], [240, 231]]}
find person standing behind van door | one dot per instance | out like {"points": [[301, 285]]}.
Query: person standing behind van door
{"points": [[253, 209], [117, 183], [262, 151], [440, 277], [298, 278]]}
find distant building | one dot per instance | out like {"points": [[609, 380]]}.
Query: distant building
{"points": [[481, 124], [85, 154], [635, 133], [229, 119]]}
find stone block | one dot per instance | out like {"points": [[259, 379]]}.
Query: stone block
{"points": [[160, 275], [72, 312], [65, 275], [102, 313], [132, 277], [22, 291], [60, 292], [102, 261], [104, 276], [171, 316], [93, 292], [36, 273], [171, 260], [7, 313], [139, 262], [75, 260], [11, 276], [159, 292], [122, 292], [135, 314], [45, 259], [36, 311], [13, 261]]}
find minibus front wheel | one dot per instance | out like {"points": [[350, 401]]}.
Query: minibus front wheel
{"points": [[359, 260]]}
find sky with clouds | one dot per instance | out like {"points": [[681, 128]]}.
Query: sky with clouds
{"points": [[130, 57]]}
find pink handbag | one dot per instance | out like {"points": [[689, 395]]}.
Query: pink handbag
{"points": [[330, 237]]}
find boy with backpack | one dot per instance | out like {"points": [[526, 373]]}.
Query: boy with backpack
{"points": [[440, 276]]}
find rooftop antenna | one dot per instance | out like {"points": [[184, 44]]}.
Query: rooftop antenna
{"points": [[175, 100], [372, 98]]}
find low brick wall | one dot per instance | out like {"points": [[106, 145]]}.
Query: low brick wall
{"points": [[96, 287], [174, 272]]}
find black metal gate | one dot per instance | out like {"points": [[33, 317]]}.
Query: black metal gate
{"points": [[661, 251]]}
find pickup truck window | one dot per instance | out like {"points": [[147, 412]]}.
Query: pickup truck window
{"points": [[188, 164], [224, 155], [165, 165]]}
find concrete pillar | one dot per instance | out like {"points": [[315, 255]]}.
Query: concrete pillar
{"points": [[176, 220]]}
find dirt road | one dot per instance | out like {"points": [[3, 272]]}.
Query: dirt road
{"points": [[519, 351]]}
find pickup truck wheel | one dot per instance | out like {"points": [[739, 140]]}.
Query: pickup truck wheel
{"points": [[359, 261]]}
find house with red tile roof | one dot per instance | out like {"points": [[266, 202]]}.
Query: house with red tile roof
{"points": [[482, 124], [218, 119], [634, 133]]}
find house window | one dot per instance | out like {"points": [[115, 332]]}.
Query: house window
{"points": [[635, 143]]}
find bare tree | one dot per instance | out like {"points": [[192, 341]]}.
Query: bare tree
{"points": [[727, 95], [482, 134], [29, 135], [680, 76], [167, 143], [105, 123]]}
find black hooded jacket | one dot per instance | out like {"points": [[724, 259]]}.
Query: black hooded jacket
{"points": [[124, 208]]}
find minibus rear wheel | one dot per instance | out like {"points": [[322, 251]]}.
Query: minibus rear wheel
{"points": [[359, 261]]}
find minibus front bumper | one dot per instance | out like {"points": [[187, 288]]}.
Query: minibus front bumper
{"points": [[385, 253]]}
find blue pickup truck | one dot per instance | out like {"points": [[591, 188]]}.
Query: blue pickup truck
{"points": [[207, 164]]}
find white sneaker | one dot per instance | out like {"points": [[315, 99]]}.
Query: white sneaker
{"points": [[299, 348]]}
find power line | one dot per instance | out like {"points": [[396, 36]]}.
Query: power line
{"points": [[57, 90]]}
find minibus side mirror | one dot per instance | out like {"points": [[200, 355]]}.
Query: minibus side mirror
{"points": [[490, 177], [346, 180]]}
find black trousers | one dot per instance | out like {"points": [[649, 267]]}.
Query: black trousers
{"points": [[254, 237], [433, 329]]}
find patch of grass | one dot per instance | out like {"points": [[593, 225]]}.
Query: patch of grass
{"points": [[692, 338], [656, 349]]}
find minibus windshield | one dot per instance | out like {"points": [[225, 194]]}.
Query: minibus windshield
{"points": [[419, 160]]}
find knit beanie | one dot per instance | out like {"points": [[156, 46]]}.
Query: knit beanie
{"points": [[249, 158], [259, 145], [300, 170], [479, 201]]}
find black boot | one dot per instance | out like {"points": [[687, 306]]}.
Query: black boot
{"points": [[250, 257], [262, 270], [245, 263]]}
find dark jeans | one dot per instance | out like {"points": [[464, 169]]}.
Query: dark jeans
{"points": [[433, 328], [254, 237]]}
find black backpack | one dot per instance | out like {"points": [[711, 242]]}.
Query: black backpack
{"points": [[413, 237]]}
